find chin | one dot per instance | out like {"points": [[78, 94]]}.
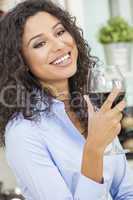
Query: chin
{"points": [[72, 73]]}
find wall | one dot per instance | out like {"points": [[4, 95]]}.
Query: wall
{"points": [[96, 15], [8, 4]]}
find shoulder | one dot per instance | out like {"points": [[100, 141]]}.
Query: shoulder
{"points": [[18, 130], [21, 130], [24, 144]]}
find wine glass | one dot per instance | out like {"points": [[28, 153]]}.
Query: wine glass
{"points": [[101, 81]]}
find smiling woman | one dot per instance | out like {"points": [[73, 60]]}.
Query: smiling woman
{"points": [[51, 54], [40, 42], [44, 66]]}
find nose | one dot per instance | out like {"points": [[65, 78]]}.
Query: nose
{"points": [[57, 44]]}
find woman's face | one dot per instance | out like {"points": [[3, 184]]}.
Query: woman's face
{"points": [[49, 50]]}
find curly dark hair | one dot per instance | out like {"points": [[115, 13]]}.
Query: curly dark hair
{"points": [[1, 13], [13, 68]]}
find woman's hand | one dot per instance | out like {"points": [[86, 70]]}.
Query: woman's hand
{"points": [[104, 125]]}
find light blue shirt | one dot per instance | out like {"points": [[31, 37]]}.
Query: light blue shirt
{"points": [[46, 157]]}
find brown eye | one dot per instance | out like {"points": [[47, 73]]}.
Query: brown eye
{"points": [[39, 45], [61, 32]]}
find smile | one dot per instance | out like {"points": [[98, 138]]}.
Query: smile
{"points": [[64, 60]]}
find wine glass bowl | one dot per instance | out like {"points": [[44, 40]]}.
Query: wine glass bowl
{"points": [[101, 81]]}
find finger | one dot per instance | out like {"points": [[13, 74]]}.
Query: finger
{"points": [[110, 99], [120, 116], [89, 105], [116, 129], [119, 107], [117, 119]]}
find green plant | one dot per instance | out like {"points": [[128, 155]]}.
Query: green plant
{"points": [[117, 29]]}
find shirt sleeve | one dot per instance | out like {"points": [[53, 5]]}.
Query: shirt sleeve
{"points": [[122, 185], [36, 172]]}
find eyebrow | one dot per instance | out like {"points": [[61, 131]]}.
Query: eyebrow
{"points": [[41, 34]]}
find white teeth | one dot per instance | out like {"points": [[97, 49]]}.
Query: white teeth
{"points": [[61, 60]]}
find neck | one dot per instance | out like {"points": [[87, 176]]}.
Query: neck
{"points": [[59, 89]]}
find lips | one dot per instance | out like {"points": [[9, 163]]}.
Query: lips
{"points": [[62, 58]]}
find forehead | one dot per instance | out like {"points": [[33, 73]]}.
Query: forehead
{"points": [[40, 21]]}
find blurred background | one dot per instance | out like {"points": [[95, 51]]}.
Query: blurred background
{"points": [[108, 28]]}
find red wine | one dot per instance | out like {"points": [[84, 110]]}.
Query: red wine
{"points": [[98, 99]]}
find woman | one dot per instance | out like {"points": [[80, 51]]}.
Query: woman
{"points": [[54, 147]]}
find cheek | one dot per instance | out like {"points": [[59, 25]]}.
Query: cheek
{"points": [[39, 56], [68, 39], [36, 58], [73, 45], [76, 50], [38, 64], [72, 42]]}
